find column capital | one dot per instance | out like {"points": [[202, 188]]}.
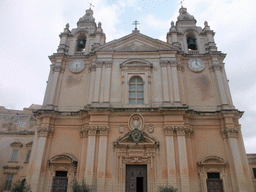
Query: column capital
{"points": [[44, 131], [230, 132], [99, 64], [103, 130], [92, 68], [83, 132], [57, 68], [108, 64], [173, 63], [91, 130], [169, 130], [214, 68], [163, 63], [181, 130]]}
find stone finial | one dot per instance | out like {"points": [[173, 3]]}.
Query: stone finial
{"points": [[67, 26], [99, 25], [206, 24], [172, 24]]}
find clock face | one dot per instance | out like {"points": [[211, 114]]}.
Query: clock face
{"points": [[76, 65], [196, 64]]}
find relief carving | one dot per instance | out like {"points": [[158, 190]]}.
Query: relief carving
{"points": [[150, 128], [121, 128], [44, 131], [230, 132], [136, 121]]}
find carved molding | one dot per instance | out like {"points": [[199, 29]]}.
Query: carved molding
{"points": [[93, 130], [173, 63], [44, 131], [92, 67], [16, 144], [150, 128], [214, 68], [121, 128], [178, 130], [230, 132], [163, 63], [29, 144], [108, 64], [99, 64], [128, 159], [58, 69]]}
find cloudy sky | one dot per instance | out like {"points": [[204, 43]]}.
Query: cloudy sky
{"points": [[29, 34]]}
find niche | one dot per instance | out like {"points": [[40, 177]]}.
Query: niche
{"points": [[81, 43], [191, 41]]}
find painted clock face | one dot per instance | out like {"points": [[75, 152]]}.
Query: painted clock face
{"points": [[76, 65], [196, 64]]}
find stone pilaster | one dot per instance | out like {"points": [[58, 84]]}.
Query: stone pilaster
{"points": [[102, 158], [217, 68], [170, 154], [56, 70], [42, 134], [175, 86], [183, 158], [165, 86], [106, 96], [90, 154], [97, 82], [92, 71], [231, 133]]}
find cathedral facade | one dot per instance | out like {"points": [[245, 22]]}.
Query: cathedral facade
{"points": [[137, 113]]}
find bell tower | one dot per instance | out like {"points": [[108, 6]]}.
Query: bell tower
{"points": [[189, 37], [75, 44]]}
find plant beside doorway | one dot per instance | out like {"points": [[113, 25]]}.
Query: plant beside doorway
{"points": [[21, 186], [167, 189], [76, 187]]}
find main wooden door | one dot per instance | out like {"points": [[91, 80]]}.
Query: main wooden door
{"points": [[60, 182], [214, 185], [136, 178]]}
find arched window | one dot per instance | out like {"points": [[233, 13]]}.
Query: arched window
{"points": [[136, 91]]}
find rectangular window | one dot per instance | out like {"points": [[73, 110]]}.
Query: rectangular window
{"points": [[8, 182], [28, 155], [14, 155], [254, 172], [22, 124]]}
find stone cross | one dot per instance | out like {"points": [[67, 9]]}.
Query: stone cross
{"points": [[181, 3], [135, 23], [91, 5]]}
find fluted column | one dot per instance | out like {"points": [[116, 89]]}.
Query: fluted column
{"points": [[50, 92], [84, 135], [102, 158], [232, 134], [165, 86], [170, 154], [97, 82], [90, 154], [92, 82], [106, 97], [42, 133], [217, 69], [183, 158], [174, 75]]}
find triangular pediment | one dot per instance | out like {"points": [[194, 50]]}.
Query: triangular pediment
{"points": [[136, 42]]}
